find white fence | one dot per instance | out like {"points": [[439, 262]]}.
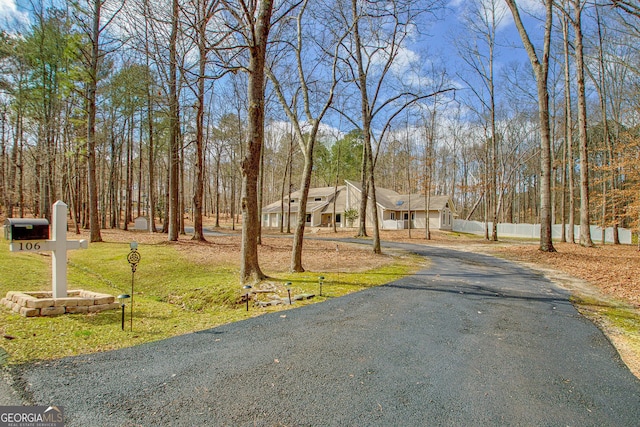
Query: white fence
{"points": [[533, 231]]}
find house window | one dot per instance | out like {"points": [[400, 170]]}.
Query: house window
{"points": [[308, 217], [317, 199], [393, 215], [338, 218], [292, 201]]}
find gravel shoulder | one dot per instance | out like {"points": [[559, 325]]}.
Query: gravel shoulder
{"points": [[472, 340]]}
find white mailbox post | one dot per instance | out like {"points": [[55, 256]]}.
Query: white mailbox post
{"points": [[58, 245]]}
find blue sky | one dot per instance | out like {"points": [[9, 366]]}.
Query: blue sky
{"points": [[9, 13], [437, 45]]}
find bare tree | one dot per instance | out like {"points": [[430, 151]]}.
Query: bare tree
{"points": [[174, 127], [252, 25], [379, 33], [541, 70], [568, 134], [479, 52], [309, 87], [629, 6], [93, 58], [199, 15], [585, 229]]}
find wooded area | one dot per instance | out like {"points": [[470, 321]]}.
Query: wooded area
{"points": [[183, 110]]}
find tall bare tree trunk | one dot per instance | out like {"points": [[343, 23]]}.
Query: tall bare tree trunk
{"points": [[15, 166], [289, 184], [568, 129], [152, 175], [362, 210], [563, 194], [94, 220], [174, 131], [128, 203], [585, 225], [4, 166], [249, 267], [366, 133], [198, 195], [287, 167], [603, 95], [181, 203], [140, 179], [541, 71], [487, 190], [217, 187], [260, 190], [298, 237]]}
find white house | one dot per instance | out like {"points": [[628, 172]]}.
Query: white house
{"points": [[320, 208], [394, 210]]}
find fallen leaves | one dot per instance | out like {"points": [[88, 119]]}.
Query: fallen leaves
{"points": [[615, 270]]}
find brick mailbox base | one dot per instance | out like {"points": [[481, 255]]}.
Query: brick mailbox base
{"points": [[33, 304]]}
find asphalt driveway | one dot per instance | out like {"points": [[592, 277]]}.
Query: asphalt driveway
{"points": [[472, 340]]}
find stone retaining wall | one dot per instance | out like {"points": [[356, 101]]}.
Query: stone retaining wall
{"points": [[33, 304]]}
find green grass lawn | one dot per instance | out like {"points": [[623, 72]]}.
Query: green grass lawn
{"points": [[173, 295]]}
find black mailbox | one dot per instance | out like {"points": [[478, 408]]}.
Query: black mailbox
{"points": [[26, 229]]}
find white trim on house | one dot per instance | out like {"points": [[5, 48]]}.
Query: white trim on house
{"points": [[394, 209]]}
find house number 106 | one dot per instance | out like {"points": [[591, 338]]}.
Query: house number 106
{"points": [[29, 246]]}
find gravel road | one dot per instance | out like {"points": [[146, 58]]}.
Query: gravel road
{"points": [[472, 340]]}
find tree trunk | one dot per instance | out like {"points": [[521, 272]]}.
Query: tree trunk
{"points": [[260, 190], [367, 163], [374, 205], [335, 192], [290, 184], [487, 190], [362, 211], [4, 167], [603, 94], [198, 233], [563, 195], [298, 237], [541, 71], [282, 188], [249, 267], [174, 124], [217, 185], [94, 224], [152, 175], [494, 141], [585, 229], [128, 202], [568, 129]]}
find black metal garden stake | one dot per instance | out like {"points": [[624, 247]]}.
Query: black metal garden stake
{"points": [[133, 258]]}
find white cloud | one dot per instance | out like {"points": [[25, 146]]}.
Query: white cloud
{"points": [[9, 13], [405, 59], [7, 8], [502, 12]]}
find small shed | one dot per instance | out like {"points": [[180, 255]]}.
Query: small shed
{"points": [[141, 223]]}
